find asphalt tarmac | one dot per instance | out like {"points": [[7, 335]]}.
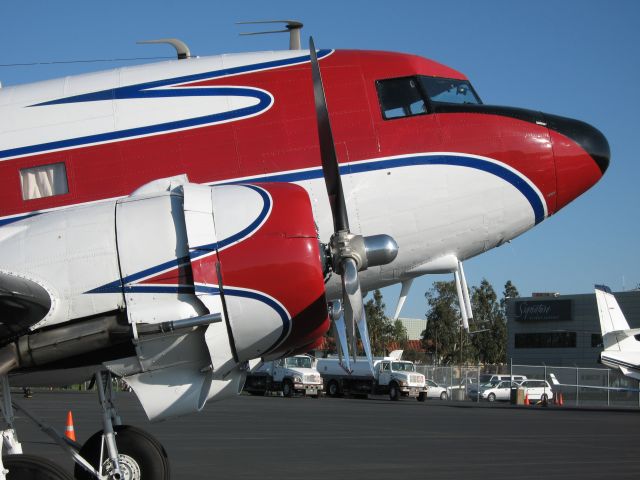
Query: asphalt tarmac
{"points": [[296, 438]]}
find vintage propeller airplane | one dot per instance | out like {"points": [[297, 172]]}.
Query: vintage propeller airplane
{"points": [[169, 223]]}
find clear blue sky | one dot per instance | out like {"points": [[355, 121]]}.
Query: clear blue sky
{"points": [[577, 58]]}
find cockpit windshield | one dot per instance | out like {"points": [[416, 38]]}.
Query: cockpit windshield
{"points": [[402, 367], [298, 362], [448, 90], [420, 95]]}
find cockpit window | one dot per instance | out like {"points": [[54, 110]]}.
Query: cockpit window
{"points": [[400, 97], [448, 90], [410, 96]]}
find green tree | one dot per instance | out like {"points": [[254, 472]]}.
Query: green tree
{"points": [[381, 331], [399, 334], [442, 338], [510, 291], [489, 321]]}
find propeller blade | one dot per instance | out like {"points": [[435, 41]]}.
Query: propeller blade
{"points": [[330, 168], [340, 336], [364, 337], [353, 306]]}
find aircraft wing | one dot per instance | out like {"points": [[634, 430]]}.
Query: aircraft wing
{"points": [[23, 303], [631, 332], [555, 382]]}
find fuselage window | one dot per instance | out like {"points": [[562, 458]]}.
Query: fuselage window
{"points": [[449, 90], [44, 181], [400, 97]]}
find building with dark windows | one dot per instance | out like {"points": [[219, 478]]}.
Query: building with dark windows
{"points": [[561, 330]]}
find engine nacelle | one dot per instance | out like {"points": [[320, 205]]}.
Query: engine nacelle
{"points": [[172, 251]]}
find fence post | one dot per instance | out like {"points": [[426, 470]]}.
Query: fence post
{"points": [[511, 370], [577, 386], [478, 380], [608, 391]]}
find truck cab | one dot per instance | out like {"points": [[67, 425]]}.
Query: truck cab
{"points": [[399, 378], [290, 376]]}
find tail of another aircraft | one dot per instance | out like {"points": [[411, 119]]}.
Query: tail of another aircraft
{"points": [[615, 329], [621, 348]]}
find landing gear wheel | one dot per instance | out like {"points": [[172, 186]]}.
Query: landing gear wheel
{"points": [[444, 396], [287, 388], [31, 467], [492, 397], [394, 393], [141, 456], [422, 396]]}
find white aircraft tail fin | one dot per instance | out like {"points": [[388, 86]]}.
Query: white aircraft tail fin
{"points": [[616, 334], [611, 317]]}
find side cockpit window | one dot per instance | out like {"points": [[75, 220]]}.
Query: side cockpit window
{"points": [[447, 90], [400, 97]]}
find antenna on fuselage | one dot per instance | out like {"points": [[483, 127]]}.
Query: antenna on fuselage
{"points": [[291, 26], [181, 48]]}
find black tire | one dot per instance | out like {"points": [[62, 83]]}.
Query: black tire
{"points": [[287, 388], [444, 396], [544, 399], [333, 389], [422, 396], [135, 445], [394, 392], [491, 397], [32, 467]]}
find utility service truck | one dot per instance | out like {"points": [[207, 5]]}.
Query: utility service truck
{"points": [[290, 376], [390, 376]]}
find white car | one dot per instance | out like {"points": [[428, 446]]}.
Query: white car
{"points": [[435, 391], [537, 390], [488, 381], [499, 391]]}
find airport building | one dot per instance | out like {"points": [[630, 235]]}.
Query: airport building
{"points": [[561, 330], [415, 327]]}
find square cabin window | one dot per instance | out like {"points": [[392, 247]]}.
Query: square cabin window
{"points": [[44, 181], [400, 97]]}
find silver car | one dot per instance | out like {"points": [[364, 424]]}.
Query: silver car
{"points": [[436, 391], [499, 391]]}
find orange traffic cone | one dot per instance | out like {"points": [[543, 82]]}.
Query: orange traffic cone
{"points": [[526, 399], [560, 400], [70, 433]]}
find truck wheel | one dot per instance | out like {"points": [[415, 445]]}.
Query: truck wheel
{"points": [[332, 389], [422, 396], [394, 392], [491, 397], [444, 396], [287, 388]]}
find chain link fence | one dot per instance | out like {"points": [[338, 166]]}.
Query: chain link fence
{"points": [[580, 386]]}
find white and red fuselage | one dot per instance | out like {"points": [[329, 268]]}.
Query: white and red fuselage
{"points": [[451, 180]]}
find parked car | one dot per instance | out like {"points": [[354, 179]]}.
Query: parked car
{"points": [[436, 391], [488, 381], [537, 390], [462, 386], [499, 391]]}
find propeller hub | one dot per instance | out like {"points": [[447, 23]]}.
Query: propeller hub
{"points": [[345, 244], [380, 249]]}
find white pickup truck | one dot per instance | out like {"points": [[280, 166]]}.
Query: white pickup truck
{"points": [[390, 376], [291, 376]]}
